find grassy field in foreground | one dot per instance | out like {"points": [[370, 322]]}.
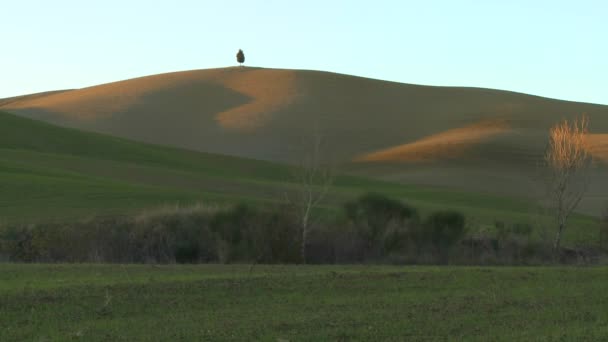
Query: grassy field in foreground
{"points": [[301, 303]]}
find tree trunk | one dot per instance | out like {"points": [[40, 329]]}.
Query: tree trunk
{"points": [[303, 246], [304, 239], [558, 237]]}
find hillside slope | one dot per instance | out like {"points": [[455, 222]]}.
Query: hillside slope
{"points": [[55, 173], [472, 138], [49, 172]]}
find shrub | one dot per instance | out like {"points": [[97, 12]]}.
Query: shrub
{"points": [[511, 239], [108, 239], [522, 229], [250, 235], [396, 237], [230, 227], [276, 236], [50, 242], [335, 243], [442, 230], [16, 243], [180, 235], [381, 222], [321, 245], [502, 231], [163, 236]]}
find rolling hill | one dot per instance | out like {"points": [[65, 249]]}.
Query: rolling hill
{"points": [[61, 174], [474, 139]]}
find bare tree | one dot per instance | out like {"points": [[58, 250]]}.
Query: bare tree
{"points": [[568, 159], [313, 179]]}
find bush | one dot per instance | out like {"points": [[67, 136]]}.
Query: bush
{"points": [[249, 235], [512, 240], [397, 236], [105, 239], [49, 243], [374, 229], [166, 235], [16, 243], [180, 235], [522, 229], [442, 230], [337, 243], [277, 237], [231, 229], [381, 222], [163, 236]]}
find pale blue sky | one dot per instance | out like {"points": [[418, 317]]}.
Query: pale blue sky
{"points": [[551, 48]]}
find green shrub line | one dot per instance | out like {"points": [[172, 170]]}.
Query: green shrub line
{"points": [[373, 229]]}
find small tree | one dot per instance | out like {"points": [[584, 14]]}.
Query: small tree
{"points": [[568, 159], [240, 57], [442, 230], [313, 178], [381, 222]]}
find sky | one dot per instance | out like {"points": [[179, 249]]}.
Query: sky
{"points": [[551, 48]]}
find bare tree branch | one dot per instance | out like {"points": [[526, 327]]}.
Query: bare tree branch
{"points": [[313, 178], [568, 159]]}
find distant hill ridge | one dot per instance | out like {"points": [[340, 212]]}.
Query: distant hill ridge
{"points": [[242, 111]]}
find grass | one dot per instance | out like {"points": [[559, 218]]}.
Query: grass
{"points": [[301, 303], [50, 173]]}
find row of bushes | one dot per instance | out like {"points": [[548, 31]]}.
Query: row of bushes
{"points": [[373, 228], [176, 235]]}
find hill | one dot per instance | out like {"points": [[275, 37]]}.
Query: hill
{"points": [[55, 173], [474, 139], [49, 172]]}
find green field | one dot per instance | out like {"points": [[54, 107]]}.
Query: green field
{"points": [[300, 303], [50, 173]]}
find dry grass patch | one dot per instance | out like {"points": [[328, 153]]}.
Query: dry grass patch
{"points": [[269, 91], [106, 100], [597, 144], [453, 143]]}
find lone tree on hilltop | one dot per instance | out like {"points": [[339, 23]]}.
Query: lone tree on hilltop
{"points": [[568, 159], [240, 57]]}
